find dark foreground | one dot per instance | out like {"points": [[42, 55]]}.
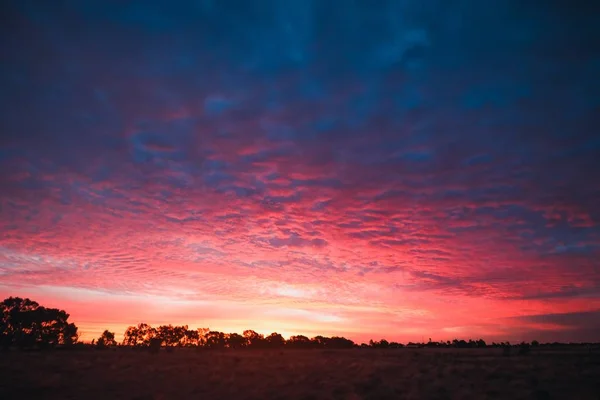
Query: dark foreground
{"points": [[300, 374]]}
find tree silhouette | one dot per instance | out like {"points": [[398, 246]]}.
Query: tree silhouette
{"points": [[165, 334], [191, 338], [275, 340], [382, 344], [147, 333], [338, 342], [236, 341], [215, 340], [299, 342], [131, 337], [139, 336], [107, 339], [178, 335], [171, 335], [26, 324], [319, 341], [202, 335], [253, 339]]}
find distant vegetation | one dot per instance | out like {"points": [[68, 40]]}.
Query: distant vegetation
{"points": [[143, 335], [25, 325]]}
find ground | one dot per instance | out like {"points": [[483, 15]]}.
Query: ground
{"points": [[300, 374]]}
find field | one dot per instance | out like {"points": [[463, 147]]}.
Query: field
{"points": [[300, 374]]}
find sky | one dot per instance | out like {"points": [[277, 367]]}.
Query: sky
{"points": [[373, 169]]}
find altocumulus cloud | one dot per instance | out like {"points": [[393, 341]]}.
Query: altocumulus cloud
{"points": [[359, 161]]}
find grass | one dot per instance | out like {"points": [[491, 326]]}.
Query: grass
{"points": [[300, 374]]}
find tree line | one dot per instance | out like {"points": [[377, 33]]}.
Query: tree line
{"points": [[26, 324], [144, 335]]}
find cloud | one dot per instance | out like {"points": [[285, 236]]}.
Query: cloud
{"points": [[563, 327], [392, 157], [296, 241], [575, 319]]}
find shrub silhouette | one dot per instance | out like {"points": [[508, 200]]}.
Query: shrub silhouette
{"points": [[154, 345], [107, 339], [524, 348], [382, 344]]}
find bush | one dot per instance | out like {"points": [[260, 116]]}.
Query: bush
{"points": [[524, 349], [155, 345]]}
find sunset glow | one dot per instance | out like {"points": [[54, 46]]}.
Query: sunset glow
{"points": [[308, 169]]}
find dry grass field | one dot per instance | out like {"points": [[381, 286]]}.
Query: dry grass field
{"points": [[300, 374]]}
